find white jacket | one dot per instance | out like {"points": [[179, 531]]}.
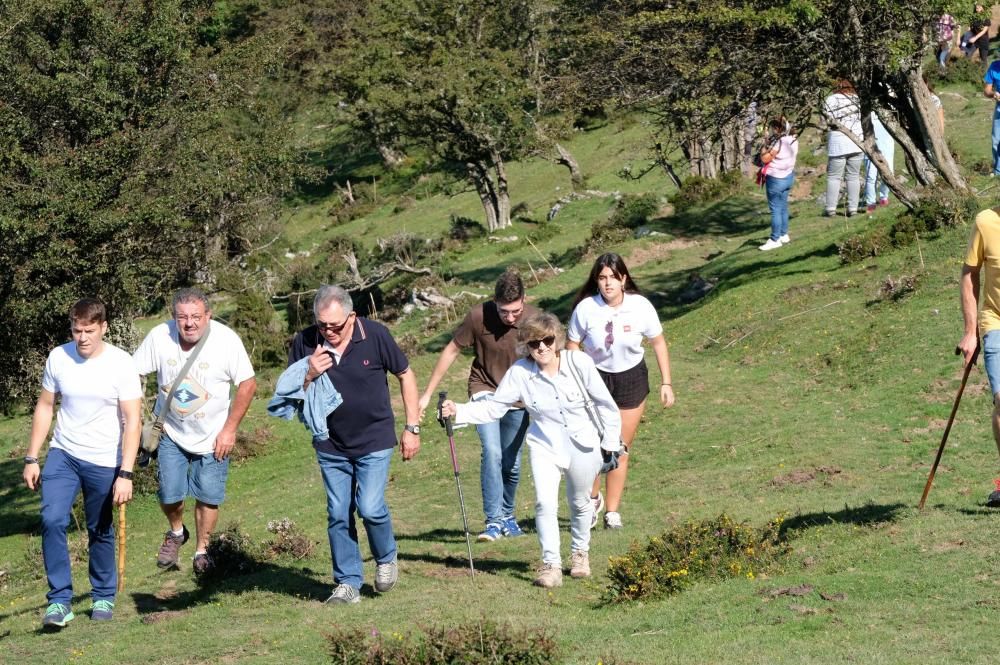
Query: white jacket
{"points": [[559, 422]]}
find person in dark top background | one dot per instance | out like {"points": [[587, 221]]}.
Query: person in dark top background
{"points": [[357, 354]]}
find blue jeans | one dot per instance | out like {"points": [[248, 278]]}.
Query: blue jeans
{"points": [[995, 138], [62, 478], [777, 200], [500, 469], [991, 359], [357, 484], [872, 178]]}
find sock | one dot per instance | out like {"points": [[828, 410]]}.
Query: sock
{"points": [[200, 552], [178, 533]]}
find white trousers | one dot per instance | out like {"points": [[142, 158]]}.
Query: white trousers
{"points": [[583, 468]]}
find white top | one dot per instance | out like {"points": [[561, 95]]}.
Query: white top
{"points": [[200, 405], [559, 423], [594, 320], [847, 110], [89, 423]]}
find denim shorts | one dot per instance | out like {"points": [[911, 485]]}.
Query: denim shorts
{"points": [[186, 474], [991, 358], [628, 388]]}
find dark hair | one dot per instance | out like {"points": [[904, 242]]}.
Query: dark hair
{"points": [[88, 310], [618, 267], [780, 125], [509, 287]]}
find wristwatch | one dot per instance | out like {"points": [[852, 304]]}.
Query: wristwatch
{"points": [[28, 459], [127, 475], [413, 429]]}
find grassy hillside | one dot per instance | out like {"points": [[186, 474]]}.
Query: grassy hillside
{"points": [[800, 391]]}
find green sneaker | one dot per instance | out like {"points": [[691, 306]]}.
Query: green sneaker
{"points": [[102, 610], [57, 616]]}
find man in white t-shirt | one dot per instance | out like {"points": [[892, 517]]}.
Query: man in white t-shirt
{"points": [[93, 448], [199, 427]]}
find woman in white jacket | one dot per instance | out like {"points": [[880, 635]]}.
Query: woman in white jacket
{"points": [[558, 388]]}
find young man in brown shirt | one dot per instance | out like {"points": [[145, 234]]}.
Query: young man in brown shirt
{"points": [[491, 330]]}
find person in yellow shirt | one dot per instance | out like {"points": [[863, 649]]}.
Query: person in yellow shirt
{"points": [[981, 313]]}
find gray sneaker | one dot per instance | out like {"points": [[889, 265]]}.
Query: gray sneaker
{"points": [[386, 575], [344, 594], [170, 549], [202, 564]]}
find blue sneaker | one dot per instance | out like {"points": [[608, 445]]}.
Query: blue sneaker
{"points": [[102, 610], [510, 528], [57, 616], [492, 532]]}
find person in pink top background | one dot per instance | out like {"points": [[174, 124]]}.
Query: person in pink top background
{"points": [[779, 153]]}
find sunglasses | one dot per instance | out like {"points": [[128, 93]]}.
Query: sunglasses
{"points": [[548, 341], [333, 327], [610, 339]]}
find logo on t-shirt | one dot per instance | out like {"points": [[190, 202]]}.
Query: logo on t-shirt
{"points": [[189, 397], [627, 328]]}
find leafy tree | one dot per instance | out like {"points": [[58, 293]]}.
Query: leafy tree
{"points": [[450, 75], [135, 157]]}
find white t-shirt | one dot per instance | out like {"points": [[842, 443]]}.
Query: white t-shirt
{"points": [[847, 110], [89, 422], [594, 321], [200, 405]]}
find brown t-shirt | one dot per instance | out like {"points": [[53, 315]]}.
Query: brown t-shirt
{"points": [[494, 343]]}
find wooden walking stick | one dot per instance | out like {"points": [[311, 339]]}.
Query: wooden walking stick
{"points": [[121, 548], [947, 429]]}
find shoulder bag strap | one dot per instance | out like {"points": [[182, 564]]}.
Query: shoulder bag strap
{"points": [[184, 370], [588, 405]]}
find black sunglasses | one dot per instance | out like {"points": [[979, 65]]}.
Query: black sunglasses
{"points": [[331, 327], [535, 343]]}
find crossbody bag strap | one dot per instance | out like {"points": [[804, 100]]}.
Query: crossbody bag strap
{"points": [[184, 370], [588, 405]]}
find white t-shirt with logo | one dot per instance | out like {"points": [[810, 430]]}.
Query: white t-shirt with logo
{"points": [[595, 323], [89, 422], [201, 401]]}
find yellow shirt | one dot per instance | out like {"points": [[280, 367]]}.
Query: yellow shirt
{"points": [[984, 253]]}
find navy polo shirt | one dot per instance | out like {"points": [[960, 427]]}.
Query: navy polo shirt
{"points": [[364, 423]]}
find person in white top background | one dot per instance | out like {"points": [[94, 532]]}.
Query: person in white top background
{"points": [[843, 154], [93, 448], [557, 388], [610, 320], [199, 429]]}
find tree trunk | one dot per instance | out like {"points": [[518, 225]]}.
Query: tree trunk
{"points": [[567, 160], [867, 145], [702, 156], [501, 194], [479, 175], [930, 127]]}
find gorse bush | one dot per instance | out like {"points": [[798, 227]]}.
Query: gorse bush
{"points": [[697, 190], [474, 643], [634, 210], [234, 553], [712, 549]]}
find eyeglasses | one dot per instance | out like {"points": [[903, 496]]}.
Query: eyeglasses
{"points": [[333, 327], [196, 319], [508, 313], [610, 339], [547, 341]]}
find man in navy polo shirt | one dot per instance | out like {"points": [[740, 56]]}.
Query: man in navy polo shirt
{"points": [[357, 354]]}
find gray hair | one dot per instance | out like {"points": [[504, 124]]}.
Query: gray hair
{"points": [[328, 294], [539, 326], [189, 295]]}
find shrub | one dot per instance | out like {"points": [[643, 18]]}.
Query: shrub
{"points": [[861, 246], [480, 642], [463, 228], [941, 209], [255, 320], [633, 210], [897, 289], [233, 552], [697, 190], [712, 549], [251, 444], [289, 540]]}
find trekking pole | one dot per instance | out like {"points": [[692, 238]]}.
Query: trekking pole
{"points": [[947, 429], [446, 423], [121, 548]]}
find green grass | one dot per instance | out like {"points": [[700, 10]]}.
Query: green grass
{"points": [[790, 364]]}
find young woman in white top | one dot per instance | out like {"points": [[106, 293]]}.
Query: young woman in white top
{"points": [[557, 388], [610, 320]]}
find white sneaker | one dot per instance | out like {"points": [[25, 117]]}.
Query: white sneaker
{"points": [[612, 520], [770, 244], [344, 594], [580, 565], [784, 240]]}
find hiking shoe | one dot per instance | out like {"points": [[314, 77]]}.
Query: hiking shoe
{"points": [[386, 575], [102, 610], [202, 564], [510, 528], [549, 576], [784, 240], [993, 501], [598, 502], [57, 616], [871, 207], [344, 594], [492, 532], [612, 520], [579, 564], [770, 244], [170, 549]]}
